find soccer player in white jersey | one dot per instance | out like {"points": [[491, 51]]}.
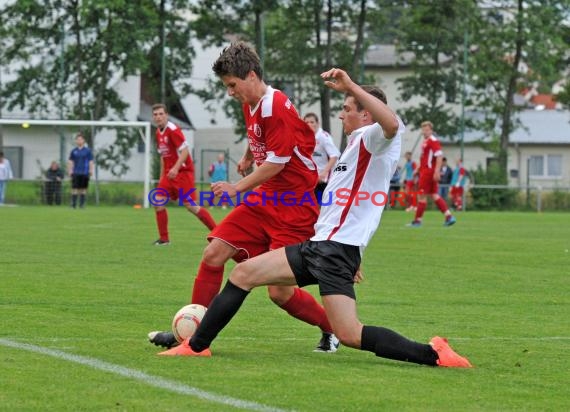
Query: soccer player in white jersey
{"points": [[332, 257], [325, 154]]}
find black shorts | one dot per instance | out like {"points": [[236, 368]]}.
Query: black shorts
{"points": [[80, 181], [329, 264]]}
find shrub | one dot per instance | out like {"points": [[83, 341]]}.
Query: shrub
{"points": [[491, 199]]}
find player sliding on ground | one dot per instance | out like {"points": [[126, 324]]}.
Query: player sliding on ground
{"points": [[332, 257]]}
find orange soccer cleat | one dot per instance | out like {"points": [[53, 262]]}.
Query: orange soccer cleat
{"points": [[184, 349], [447, 357]]}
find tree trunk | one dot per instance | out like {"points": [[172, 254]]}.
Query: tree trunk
{"points": [[76, 29], [259, 41], [357, 57], [326, 92], [506, 125]]}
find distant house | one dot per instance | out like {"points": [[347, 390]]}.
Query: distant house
{"points": [[388, 66], [539, 150], [32, 149]]}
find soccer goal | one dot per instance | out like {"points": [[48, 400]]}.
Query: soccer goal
{"points": [[144, 129]]}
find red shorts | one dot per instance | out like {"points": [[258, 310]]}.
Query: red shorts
{"points": [[182, 184], [258, 229], [410, 185], [426, 185], [456, 191]]}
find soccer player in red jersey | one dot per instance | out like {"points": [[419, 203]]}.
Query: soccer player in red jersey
{"points": [[282, 210], [176, 174], [429, 172], [332, 257]]}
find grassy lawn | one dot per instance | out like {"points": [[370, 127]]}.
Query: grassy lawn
{"points": [[87, 284]]}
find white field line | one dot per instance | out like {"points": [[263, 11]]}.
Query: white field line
{"points": [[151, 380], [516, 339], [246, 338]]}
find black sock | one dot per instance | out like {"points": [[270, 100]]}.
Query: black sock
{"points": [[388, 344], [74, 201], [219, 313], [81, 200]]}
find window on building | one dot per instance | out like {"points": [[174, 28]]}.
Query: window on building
{"points": [[545, 165], [554, 164], [536, 166]]}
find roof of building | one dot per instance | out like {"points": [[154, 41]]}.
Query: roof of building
{"points": [[386, 55], [537, 127]]}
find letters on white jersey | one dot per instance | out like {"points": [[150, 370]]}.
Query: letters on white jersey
{"points": [[363, 170]]}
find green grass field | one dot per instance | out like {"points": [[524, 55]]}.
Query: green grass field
{"points": [[80, 289]]}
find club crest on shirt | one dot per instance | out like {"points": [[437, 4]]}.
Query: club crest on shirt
{"points": [[257, 130]]}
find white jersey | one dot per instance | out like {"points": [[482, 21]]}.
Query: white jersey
{"points": [[324, 149], [358, 187]]}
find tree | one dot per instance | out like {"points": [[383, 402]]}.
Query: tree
{"points": [[294, 50], [517, 32], [433, 32], [65, 55]]}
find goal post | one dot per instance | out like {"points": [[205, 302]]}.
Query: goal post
{"points": [[99, 123]]}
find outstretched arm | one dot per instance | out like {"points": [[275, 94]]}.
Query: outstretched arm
{"points": [[339, 80]]}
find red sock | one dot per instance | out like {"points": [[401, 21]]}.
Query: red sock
{"points": [[206, 218], [303, 306], [162, 223], [207, 284], [420, 210], [441, 205]]}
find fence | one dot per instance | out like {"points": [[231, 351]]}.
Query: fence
{"points": [[503, 197], [476, 197]]}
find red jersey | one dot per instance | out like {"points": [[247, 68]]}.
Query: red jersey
{"points": [[277, 134], [431, 148], [170, 142]]}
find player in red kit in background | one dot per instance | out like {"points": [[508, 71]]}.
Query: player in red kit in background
{"points": [[430, 165], [176, 174], [281, 145]]}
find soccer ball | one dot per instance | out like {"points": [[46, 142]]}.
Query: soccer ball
{"points": [[186, 321]]}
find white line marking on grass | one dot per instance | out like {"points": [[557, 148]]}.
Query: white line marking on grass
{"points": [[155, 381], [297, 339], [541, 338]]}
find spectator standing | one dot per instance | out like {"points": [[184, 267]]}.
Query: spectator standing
{"points": [[5, 175], [54, 177], [410, 182], [458, 182], [445, 178], [218, 171]]}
